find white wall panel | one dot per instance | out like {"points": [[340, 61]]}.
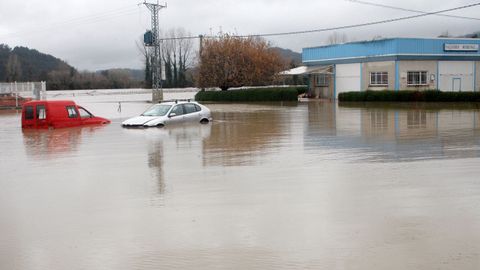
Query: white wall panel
{"points": [[456, 74], [348, 77]]}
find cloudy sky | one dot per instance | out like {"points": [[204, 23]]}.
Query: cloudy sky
{"points": [[93, 34]]}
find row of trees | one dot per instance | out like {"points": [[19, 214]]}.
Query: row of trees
{"points": [[108, 79], [225, 61], [177, 57]]}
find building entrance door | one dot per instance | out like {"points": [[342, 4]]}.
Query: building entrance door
{"points": [[456, 84]]}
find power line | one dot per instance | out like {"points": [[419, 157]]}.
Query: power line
{"points": [[123, 11], [364, 24], [410, 10], [338, 27]]}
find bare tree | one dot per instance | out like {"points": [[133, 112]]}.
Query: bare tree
{"points": [[147, 61], [177, 56], [14, 68], [445, 34], [336, 38]]}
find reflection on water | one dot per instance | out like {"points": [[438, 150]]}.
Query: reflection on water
{"points": [[264, 186], [43, 143], [238, 137], [396, 134], [176, 137]]}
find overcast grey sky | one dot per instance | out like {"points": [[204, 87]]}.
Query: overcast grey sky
{"points": [[92, 34]]}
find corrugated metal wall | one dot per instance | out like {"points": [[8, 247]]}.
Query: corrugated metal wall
{"points": [[397, 46]]}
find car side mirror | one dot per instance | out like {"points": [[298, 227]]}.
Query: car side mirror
{"points": [[172, 114]]}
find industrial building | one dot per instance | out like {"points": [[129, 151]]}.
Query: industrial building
{"points": [[447, 64]]}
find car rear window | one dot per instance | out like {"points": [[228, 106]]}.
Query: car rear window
{"points": [[29, 112], [41, 112], [178, 110], [189, 108]]}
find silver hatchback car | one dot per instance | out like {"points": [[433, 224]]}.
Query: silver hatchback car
{"points": [[171, 112]]}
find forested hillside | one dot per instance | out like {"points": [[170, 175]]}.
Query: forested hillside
{"points": [[22, 64]]}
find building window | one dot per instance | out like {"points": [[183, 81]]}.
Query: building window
{"points": [[321, 80], [417, 78], [379, 78]]}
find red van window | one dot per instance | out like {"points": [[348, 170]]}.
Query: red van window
{"points": [[28, 112], [72, 113], [84, 113], [41, 112]]}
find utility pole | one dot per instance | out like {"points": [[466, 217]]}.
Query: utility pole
{"points": [[200, 37], [157, 91]]}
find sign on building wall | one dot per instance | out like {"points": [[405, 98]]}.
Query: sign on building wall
{"points": [[461, 47]]}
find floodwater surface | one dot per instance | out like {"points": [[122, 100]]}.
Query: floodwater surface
{"points": [[309, 185]]}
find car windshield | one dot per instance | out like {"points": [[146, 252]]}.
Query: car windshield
{"points": [[157, 110]]}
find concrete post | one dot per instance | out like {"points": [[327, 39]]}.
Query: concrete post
{"points": [[157, 95], [16, 95], [44, 90]]}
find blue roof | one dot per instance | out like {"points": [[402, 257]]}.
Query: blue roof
{"points": [[390, 49]]}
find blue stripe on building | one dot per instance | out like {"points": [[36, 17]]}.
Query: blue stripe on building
{"points": [[389, 49]]}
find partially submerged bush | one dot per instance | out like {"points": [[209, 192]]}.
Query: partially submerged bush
{"points": [[252, 95], [409, 96]]}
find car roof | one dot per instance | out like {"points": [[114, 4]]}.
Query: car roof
{"points": [[173, 102]]}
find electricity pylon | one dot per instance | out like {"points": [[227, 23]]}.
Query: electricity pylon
{"points": [[157, 92]]}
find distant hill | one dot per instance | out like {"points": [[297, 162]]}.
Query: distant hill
{"points": [[289, 55], [24, 64], [472, 35]]}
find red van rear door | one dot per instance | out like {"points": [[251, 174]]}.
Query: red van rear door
{"points": [[41, 116]]}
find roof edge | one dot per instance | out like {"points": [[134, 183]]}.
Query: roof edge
{"points": [[394, 38]]}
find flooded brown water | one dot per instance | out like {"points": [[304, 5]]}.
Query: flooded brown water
{"points": [[311, 185]]}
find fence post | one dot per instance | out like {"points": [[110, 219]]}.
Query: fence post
{"points": [[16, 95], [44, 89]]}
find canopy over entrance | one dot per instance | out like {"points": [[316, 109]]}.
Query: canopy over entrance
{"points": [[305, 70]]}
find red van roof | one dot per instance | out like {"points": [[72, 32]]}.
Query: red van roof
{"points": [[56, 102]]}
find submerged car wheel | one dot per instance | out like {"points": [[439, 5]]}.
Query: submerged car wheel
{"points": [[160, 125], [204, 121]]}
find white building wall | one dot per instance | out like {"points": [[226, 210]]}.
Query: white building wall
{"points": [[347, 78], [456, 75]]}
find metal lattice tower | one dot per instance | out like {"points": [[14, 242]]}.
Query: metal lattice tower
{"points": [[157, 92]]}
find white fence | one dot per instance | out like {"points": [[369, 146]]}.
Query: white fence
{"points": [[35, 90]]}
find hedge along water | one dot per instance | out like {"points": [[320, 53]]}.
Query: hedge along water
{"points": [[253, 94], [409, 96]]}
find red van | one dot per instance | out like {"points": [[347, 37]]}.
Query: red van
{"points": [[57, 114]]}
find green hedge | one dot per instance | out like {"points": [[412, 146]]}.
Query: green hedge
{"points": [[409, 96], [253, 94]]}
